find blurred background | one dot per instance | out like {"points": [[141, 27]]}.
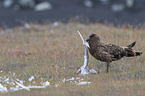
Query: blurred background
{"points": [[18, 12]]}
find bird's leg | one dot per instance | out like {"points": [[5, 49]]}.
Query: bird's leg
{"points": [[108, 67]]}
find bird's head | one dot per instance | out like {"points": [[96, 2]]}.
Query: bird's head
{"points": [[93, 38]]}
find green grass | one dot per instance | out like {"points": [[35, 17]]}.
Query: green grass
{"points": [[56, 52]]}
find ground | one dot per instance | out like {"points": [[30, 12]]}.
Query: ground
{"points": [[54, 52]]}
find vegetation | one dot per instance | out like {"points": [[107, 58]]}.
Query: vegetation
{"points": [[55, 51]]}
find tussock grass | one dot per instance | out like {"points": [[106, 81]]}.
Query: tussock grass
{"points": [[56, 52]]}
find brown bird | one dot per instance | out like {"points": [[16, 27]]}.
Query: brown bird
{"points": [[109, 52]]}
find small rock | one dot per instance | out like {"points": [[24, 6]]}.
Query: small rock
{"points": [[27, 25], [117, 7], [129, 3], [7, 3], [88, 3], [55, 24], [43, 6], [27, 3]]}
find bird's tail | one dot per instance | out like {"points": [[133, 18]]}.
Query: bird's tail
{"points": [[138, 53], [129, 51], [131, 45]]}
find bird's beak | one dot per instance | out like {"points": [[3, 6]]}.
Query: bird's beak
{"points": [[87, 40], [86, 43]]}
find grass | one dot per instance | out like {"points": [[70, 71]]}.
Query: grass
{"points": [[56, 52]]}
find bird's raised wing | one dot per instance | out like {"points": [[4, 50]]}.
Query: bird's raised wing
{"points": [[117, 51]]}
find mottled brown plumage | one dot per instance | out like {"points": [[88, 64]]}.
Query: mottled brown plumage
{"points": [[109, 52]]}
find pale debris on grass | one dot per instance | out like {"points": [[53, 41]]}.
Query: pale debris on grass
{"points": [[36, 87], [83, 83], [12, 89], [45, 84], [18, 84], [31, 78], [21, 85], [3, 89], [84, 69], [77, 81], [71, 79], [56, 85]]}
